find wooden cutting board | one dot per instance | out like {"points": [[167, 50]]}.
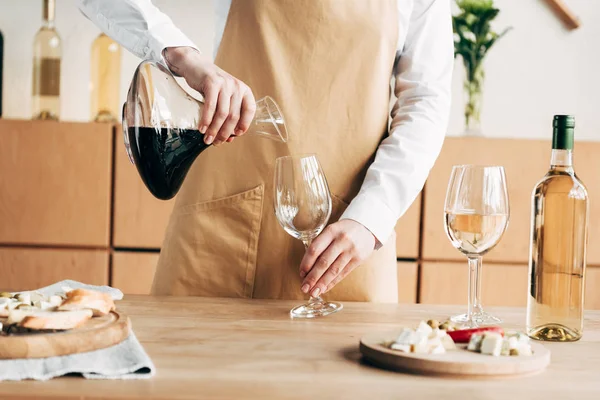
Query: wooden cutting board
{"points": [[97, 333], [456, 363]]}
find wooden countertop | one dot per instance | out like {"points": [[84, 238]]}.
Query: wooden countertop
{"points": [[238, 349]]}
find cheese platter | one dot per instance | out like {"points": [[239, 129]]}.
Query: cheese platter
{"points": [[35, 325], [448, 351]]}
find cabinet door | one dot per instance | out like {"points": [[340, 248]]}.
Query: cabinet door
{"points": [[140, 219], [132, 272], [525, 162], [28, 268], [55, 183], [407, 282], [447, 283], [592, 288], [408, 231]]}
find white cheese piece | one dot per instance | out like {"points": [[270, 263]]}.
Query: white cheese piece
{"points": [[0, 326], [437, 333], [24, 298], [491, 344], [424, 328], [448, 343], [401, 347], [55, 300], [475, 342], [439, 349], [4, 302], [420, 348], [44, 305], [66, 289], [419, 339], [37, 296], [523, 349], [406, 337]]}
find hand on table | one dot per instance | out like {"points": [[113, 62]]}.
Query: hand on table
{"points": [[229, 104], [339, 249]]}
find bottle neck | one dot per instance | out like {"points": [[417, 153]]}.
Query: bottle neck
{"points": [[562, 160], [48, 14]]}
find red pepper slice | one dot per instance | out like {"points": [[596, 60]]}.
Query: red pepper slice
{"points": [[464, 335]]}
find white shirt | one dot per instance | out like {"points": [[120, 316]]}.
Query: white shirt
{"points": [[419, 116]]}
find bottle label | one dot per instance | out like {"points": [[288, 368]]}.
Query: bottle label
{"points": [[48, 83]]}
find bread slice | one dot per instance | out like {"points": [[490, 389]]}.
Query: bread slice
{"points": [[51, 320], [83, 299]]}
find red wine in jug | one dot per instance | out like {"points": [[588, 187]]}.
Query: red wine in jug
{"points": [[163, 157]]}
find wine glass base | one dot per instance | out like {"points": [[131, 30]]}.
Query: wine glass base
{"points": [[477, 319], [315, 309]]}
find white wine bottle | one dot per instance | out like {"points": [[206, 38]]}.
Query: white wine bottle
{"points": [[105, 79], [46, 67], [557, 257]]}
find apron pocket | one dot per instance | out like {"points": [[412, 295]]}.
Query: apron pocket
{"points": [[213, 245]]}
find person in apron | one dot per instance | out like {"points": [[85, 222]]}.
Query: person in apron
{"points": [[328, 64]]}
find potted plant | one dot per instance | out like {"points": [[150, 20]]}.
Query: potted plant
{"points": [[473, 38]]}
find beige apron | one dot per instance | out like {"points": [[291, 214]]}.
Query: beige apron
{"points": [[328, 65]]}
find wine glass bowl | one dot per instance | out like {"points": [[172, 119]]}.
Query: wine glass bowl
{"points": [[302, 204], [476, 214]]}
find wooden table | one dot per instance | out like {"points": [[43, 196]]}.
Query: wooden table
{"points": [[237, 349]]}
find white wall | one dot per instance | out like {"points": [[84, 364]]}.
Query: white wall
{"points": [[537, 70]]}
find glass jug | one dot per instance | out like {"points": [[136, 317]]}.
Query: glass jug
{"points": [[160, 128]]}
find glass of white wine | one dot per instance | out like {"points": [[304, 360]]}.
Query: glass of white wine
{"points": [[303, 206], [476, 215]]}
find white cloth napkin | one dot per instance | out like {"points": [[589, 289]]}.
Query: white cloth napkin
{"points": [[126, 360]]}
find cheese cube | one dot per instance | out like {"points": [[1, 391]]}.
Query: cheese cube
{"points": [[405, 337], [437, 333], [424, 328], [491, 344], [4, 302], [475, 342], [55, 300], [448, 343], [24, 298], [401, 347], [439, 349], [420, 348]]}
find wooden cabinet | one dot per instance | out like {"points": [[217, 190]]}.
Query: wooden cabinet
{"points": [[140, 219], [407, 282], [133, 272], [31, 268], [408, 231], [447, 283], [55, 183], [592, 285]]}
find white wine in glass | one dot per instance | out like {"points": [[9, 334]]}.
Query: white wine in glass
{"points": [[475, 217], [303, 206]]}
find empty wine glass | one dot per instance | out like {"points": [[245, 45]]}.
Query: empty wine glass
{"points": [[303, 206], [476, 215]]}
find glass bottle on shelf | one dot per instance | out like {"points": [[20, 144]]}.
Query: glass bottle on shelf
{"points": [[557, 261], [105, 79], [46, 67]]}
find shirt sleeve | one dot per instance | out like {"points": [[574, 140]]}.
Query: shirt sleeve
{"points": [[419, 121], [137, 25]]}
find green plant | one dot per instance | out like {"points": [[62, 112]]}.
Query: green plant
{"points": [[473, 38]]}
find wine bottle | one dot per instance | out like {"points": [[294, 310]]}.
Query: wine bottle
{"points": [[46, 67], [1, 61], [557, 257], [105, 79]]}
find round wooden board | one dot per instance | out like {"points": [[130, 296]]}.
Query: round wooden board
{"points": [[459, 362], [97, 333]]}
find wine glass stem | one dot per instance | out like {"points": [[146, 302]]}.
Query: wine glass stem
{"points": [[307, 242], [474, 299]]}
